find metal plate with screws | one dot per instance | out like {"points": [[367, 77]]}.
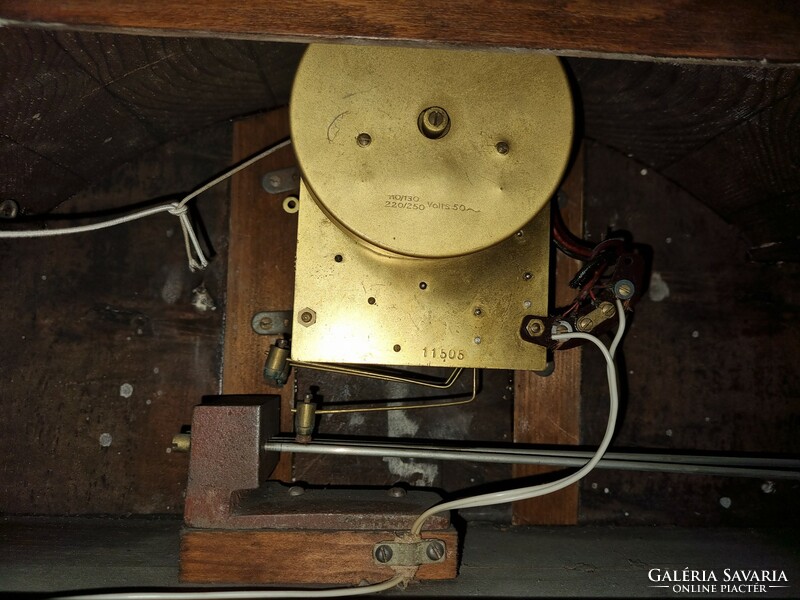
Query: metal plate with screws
{"points": [[282, 180], [409, 554], [272, 323]]}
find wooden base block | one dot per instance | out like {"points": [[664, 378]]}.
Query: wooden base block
{"points": [[298, 557]]}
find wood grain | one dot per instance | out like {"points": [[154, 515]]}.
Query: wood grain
{"points": [[732, 29], [709, 362], [547, 409], [298, 557], [260, 264], [100, 336]]}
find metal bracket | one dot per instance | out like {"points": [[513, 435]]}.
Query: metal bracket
{"points": [[282, 180], [272, 322], [409, 554]]}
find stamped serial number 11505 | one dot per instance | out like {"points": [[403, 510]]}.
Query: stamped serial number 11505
{"points": [[443, 353]]}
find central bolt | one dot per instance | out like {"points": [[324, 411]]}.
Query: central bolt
{"points": [[434, 122]]}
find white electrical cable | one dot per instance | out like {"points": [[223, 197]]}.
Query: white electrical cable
{"points": [[612, 350], [247, 594], [553, 486], [196, 262]]}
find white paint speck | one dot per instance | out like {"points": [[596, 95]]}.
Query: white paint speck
{"points": [[725, 502], [399, 424], [606, 490], [37, 116], [668, 432], [643, 172], [768, 487], [527, 304], [477, 339], [357, 419], [126, 390], [416, 473], [695, 334], [169, 451], [105, 440], [170, 232], [155, 370], [108, 139], [630, 372], [659, 290], [44, 277], [668, 240], [627, 514], [139, 331], [202, 300], [708, 419], [148, 401]]}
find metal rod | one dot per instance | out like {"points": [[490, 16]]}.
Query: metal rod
{"points": [[757, 467]]}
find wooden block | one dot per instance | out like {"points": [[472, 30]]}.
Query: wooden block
{"points": [[298, 557], [260, 264], [547, 409]]}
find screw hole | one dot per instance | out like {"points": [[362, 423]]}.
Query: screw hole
{"points": [[397, 348], [423, 285], [371, 300], [338, 258]]}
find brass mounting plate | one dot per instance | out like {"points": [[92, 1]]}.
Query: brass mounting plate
{"points": [[377, 309], [355, 120]]}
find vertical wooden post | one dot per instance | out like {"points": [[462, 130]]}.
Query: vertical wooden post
{"points": [[547, 409], [260, 264]]}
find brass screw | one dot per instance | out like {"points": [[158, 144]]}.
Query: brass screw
{"points": [[608, 309], [181, 442], [501, 147], [306, 317], [527, 276], [364, 139], [435, 550], [535, 327], [383, 554], [434, 122], [585, 324]]}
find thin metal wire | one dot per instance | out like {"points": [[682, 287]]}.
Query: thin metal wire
{"points": [[333, 411], [440, 385]]}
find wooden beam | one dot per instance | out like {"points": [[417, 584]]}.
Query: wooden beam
{"points": [[672, 29], [260, 264], [547, 409]]}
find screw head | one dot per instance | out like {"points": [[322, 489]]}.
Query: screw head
{"points": [[624, 289], [608, 309], [585, 324], [274, 180], [383, 554], [501, 147], [307, 317], [478, 311], [9, 209], [396, 492], [435, 550], [527, 276], [535, 327], [364, 139]]}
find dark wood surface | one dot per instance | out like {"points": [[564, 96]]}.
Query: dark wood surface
{"points": [[547, 410], [732, 29], [709, 362], [298, 557], [75, 105], [99, 335]]}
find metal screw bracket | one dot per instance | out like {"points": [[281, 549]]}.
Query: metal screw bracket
{"points": [[408, 554], [281, 180], [272, 322]]}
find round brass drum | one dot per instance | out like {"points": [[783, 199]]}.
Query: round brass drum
{"points": [[387, 166]]}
